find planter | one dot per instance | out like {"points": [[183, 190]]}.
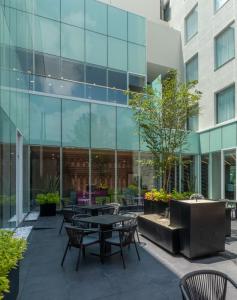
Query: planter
{"points": [[155, 207], [228, 221], [48, 210], [14, 284]]}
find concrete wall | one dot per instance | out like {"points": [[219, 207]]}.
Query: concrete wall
{"points": [[210, 24]]}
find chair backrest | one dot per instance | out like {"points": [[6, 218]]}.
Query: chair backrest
{"points": [[126, 234], [75, 235], [132, 221], [77, 223], [116, 207], [204, 285], [196, 196], [108, 210], [68, 213]]}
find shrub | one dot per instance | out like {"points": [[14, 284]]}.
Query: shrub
{"points": [[161, 195], [48, 198], [11, 251]]}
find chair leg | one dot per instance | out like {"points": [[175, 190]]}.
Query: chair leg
{"points": [[138, 238], [65, 253], [61, 227], [135, 244], [78, 258], [84, 252], [121, 253]]}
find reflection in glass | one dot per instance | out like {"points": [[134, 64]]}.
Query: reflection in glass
{"points": [[47, 65], [230, 174], [75, 174], [216, 175], [96, 93], [188, 174], [96, 75], [136, 83], [204, 175], [148, 180], [72, 70]]}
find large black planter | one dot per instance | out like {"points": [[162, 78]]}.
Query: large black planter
{"points": [[14, 284], [159, 232], [228, 221], [155, 207], [48, 210]]}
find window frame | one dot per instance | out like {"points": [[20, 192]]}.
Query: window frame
{"points": [[185, 23], [219, 8], [196, 55]]}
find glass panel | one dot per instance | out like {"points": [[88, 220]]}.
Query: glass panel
{"points": [[96, 75], [72, 12], [13, 174], [73, 70], [25, 30], [47, 9], [44, 169], [191, 24], [103, 126], [25, 5], [99, 42], [216, 175], [26, 177], [47, 65], [72, 42], [204, 175], [147, 172], [117, 55], [117, 23], [192, 69], [24, 60], [128, 180], [45, 120], [136, 59], [48, 36], [230, 174], [102, 176], [225, 46], [75, 124], [117, 80], [96, 93], [75, 174], [188, 174], [136, 29], [117, 96], [225, 104], [96, 16], [219, 3], [127, 131], [136, 83]]}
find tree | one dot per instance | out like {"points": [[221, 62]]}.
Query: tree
{"points": [[162, 119]]}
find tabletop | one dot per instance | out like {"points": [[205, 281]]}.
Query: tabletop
{"points": [[105, 219]]}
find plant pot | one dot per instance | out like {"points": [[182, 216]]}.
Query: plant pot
{"points": [[14, 284], [155, 207], [48, 210]]}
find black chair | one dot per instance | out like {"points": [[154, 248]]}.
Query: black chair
{"points": [[79, 238], [108, 210], [131, 222], [124, 238], [205, 285], [67, 213]]}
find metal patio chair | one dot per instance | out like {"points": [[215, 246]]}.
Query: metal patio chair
{"points": [[205, 285]]}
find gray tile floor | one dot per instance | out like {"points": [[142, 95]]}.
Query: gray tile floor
{"points": [[156, 276]]}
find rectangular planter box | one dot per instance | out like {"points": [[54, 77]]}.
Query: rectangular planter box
{"points": [[203, 224], [228, 222], [14, 284], [155, 207], [158, 231], [47, 210]]}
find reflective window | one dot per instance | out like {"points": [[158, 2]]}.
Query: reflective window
{"points": [[72, 42], [117, 54], [216, 175], [24, 60], [47, 65], [47, 9], [136, 58], [191, 24], [96, 93], [147, 172], [225, 46], [219, 3], [225, 104], [230, 174], [136, 83], [73, 70], [117, 80], [136, 29], [117, 23], [72, 12], [192, 69], [96, 75], [75, 174], [102, 176], [204, 175], [188, 174], [24, 36], [96, 16], [96, 48]]}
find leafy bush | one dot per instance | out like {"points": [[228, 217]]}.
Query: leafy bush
{"points": [[48, 198], [11, 251], [161, 195]]}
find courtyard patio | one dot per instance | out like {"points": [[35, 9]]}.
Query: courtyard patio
{"points": [[156, 276]]}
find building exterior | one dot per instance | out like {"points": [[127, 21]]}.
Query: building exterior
{"points": [[63, 111]]}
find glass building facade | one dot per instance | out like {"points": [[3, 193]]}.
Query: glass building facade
{"points": [[64, 72]]}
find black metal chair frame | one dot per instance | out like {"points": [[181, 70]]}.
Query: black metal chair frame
{"points": [[126, 238], [205, 285], [75, 239]]}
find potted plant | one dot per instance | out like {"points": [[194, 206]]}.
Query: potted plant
{"points": [[48, 203], [11, 252]]}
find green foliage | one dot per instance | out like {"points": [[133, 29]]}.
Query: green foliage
{"points": [[11, 251], [162, 120], [48, 198], [162, 195]]}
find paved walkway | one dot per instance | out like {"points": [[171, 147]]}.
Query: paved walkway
{"points": [[155, 277]]}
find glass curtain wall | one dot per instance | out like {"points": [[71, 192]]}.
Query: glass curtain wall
{"points": [[216, 175], [225, 104], [188, 179], [230, 174], [204, 175]]}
